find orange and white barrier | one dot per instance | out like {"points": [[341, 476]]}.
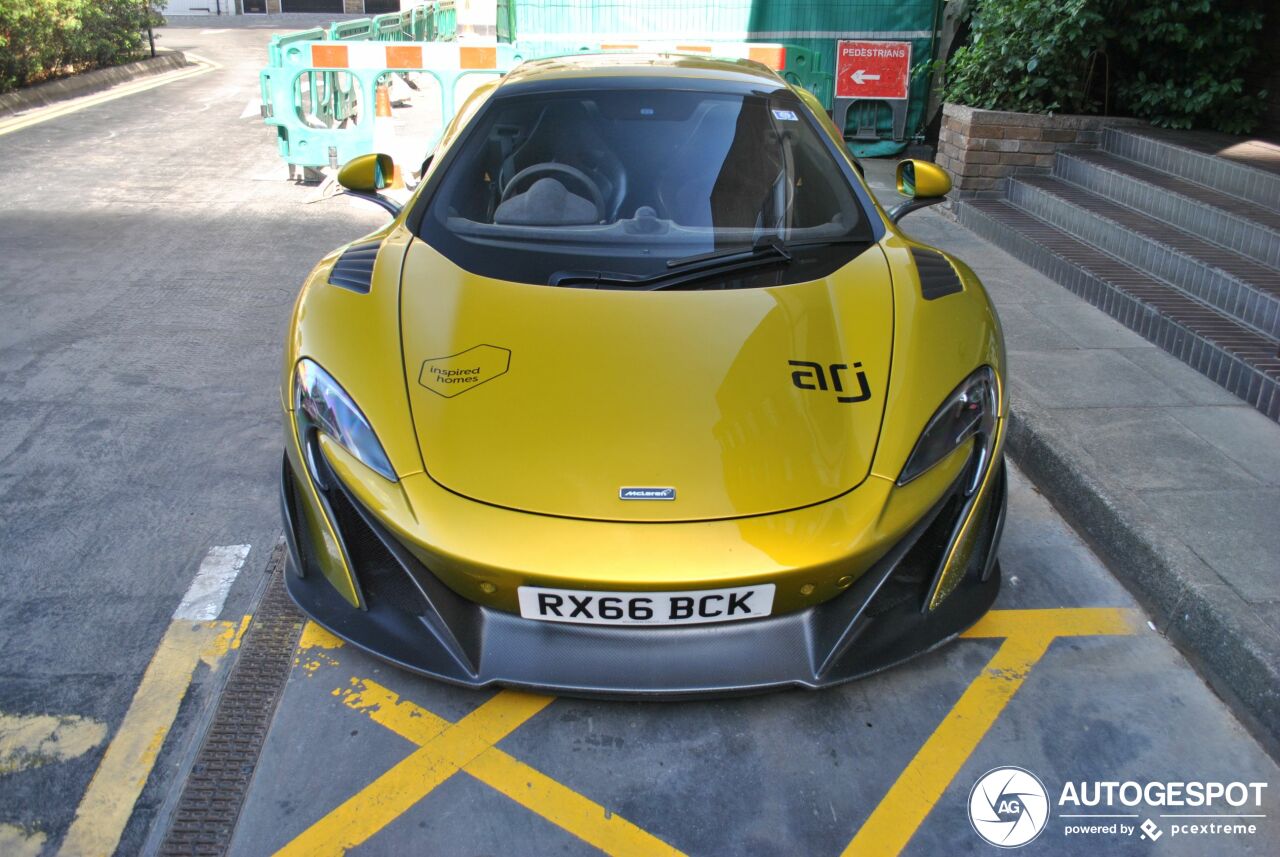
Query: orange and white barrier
{"points": [[442, 55], [403, 57], [769, 54]]}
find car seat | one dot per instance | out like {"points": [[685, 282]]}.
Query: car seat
{"points": [[566, 133]]}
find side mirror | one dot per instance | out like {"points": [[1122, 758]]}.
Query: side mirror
{"points": [[926, 183], [365, 175]]}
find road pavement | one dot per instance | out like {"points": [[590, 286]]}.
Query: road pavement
{"points": [[150, 252]]}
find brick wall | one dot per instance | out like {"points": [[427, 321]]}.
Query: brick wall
{"points": [[981, 147]]}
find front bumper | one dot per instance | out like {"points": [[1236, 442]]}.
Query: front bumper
{"points": [[415, 621]]}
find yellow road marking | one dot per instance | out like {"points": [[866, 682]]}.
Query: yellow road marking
{"points": [[564, 807], [238, 637], [1057, 622], [108, 802], [384, 707], [317, 643], [445, 748], [44, 114], [527, 786], [32, 740], [407, 782], [1027, 634], [316, 637], [919, 786], [18, 842]]}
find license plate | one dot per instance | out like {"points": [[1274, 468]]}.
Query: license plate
{"points": [[646, 608]]}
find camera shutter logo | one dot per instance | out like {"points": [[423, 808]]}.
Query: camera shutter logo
{"points": [[1008, 807]]}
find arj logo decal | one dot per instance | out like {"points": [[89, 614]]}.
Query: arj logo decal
{"points": [[813, 376]]}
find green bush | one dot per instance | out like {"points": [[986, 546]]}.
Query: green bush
{"points": [[1031, 56], [1183, 64], [1177, 63], [40, 39]]}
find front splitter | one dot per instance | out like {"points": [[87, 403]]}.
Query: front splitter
{"points": [[824, 645]]}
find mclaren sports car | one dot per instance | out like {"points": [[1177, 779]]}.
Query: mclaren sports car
{"points": [[641, 392]]}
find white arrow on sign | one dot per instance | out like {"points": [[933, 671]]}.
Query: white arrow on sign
{"points": [[861, 75]]}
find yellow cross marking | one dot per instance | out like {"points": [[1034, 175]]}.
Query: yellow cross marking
{"points": [[445, 748], [1027, 635]]}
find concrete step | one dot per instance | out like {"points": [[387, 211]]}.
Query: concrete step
{"points": [[1239, 287], [1238, 224], [1184, 154], [1242, 360]]}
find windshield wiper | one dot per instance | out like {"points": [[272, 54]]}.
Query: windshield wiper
{"points": [[762, 250], [692, 268], [738, 261]]}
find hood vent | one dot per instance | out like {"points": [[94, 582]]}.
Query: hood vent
{"points": [[937, 278], [354, 268]]}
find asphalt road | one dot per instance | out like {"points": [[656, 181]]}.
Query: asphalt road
{"points": [[150, 250]]}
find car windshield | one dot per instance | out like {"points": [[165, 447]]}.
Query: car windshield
{"points": [[624, 184]]}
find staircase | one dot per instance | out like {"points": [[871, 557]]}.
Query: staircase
{"points": [[1173, 239]]}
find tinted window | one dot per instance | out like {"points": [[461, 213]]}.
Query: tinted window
{"points": [[623, 181]]}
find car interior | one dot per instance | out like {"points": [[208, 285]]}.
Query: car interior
{"points": [[657, 160]]}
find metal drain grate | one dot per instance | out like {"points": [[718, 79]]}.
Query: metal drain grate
{"points": [[214, 792]]}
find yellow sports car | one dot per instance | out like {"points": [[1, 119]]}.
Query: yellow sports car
{"points": [[642, 393]]}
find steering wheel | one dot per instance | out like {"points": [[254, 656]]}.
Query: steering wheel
{"points": [[548, 170]]}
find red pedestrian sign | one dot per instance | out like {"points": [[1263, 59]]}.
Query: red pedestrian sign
{"points": [[873, 69]]}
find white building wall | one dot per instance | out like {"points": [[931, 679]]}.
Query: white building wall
{"points": [[200, 7]]}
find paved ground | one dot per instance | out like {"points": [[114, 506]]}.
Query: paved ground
{"points": [[880, 765], [1174, 479], [149, 254]]}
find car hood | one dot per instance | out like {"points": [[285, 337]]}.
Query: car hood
{"points": [[556, 400]]}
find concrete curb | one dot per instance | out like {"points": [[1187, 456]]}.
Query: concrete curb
{"points": [[1235, 652], [62, 89]]}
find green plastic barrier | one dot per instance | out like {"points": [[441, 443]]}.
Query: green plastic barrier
{"points": [[280, 43], [389, 28], [808, 28], [804, 68], [324, 116], [506, 23], [359, 28], [446, 21], [315, 111], [323, 107]]}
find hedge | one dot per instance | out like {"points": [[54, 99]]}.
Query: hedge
{"points": [[41, 39], [1177, 63]]}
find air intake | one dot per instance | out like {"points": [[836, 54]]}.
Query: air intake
{"points": [[354, 268], [937, 278]]}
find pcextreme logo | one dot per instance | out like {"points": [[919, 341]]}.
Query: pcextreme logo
{"points": [[1009, 807]]}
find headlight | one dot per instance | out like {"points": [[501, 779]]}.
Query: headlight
{"points": [[320, 403], [970, 411]]}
